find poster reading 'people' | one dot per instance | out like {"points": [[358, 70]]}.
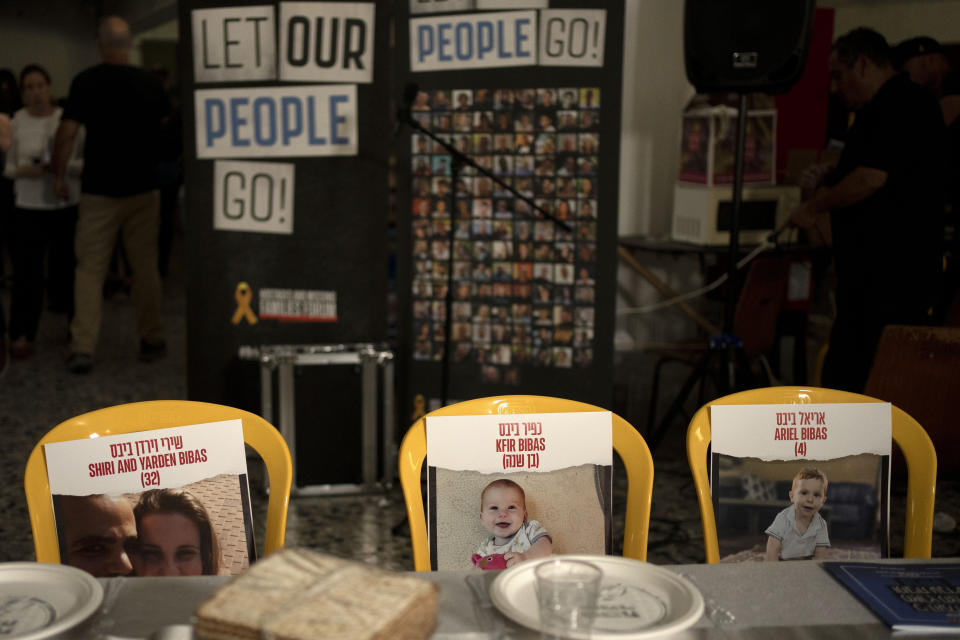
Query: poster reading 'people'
{"points": [[165, 502], [503, 489], [796, 482]]}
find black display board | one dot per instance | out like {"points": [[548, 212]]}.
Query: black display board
{"points": [[255, 278], [532, 91]]}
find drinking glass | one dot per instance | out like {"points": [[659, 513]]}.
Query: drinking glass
{"points": [[567, 595]]}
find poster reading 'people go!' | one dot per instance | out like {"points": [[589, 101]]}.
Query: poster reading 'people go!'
{"points": [[287, 136], [524, 241]]}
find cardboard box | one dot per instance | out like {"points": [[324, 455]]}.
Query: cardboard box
{"points": [[702, 215], [709, 143]]}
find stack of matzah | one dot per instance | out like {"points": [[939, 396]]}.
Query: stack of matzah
{"points": [[295, 594]]}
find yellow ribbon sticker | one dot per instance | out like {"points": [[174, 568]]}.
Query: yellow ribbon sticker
{"points": [[243, 296]]}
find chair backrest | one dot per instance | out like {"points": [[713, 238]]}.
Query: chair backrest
{"points": [[761, 299], [157, 414], [913, 441], [915, 368], [627, 442]]}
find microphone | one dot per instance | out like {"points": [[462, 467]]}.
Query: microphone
{"points": [[410, 91]]}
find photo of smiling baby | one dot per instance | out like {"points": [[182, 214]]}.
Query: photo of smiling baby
{"points": [[503, 489], [494, 521], [513, 537]]}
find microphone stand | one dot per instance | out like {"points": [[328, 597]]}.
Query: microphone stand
{"points": [[458, 160]]}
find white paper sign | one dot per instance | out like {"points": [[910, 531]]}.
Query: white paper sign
{"points": [[298, 305], [520, 442], [309, 120], [801, 431], [572, 37], [473, 41], [326, 41], [155, 459], [253, 196], [441, 6], [234, 44], [486, 5]]}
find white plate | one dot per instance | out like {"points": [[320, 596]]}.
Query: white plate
{"points": [[637, 599], [41, 600]]}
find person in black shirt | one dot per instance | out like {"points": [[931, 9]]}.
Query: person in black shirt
{"points": [[923, 58], [885, 203], [123, 108]]}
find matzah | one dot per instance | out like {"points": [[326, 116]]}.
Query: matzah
{"points": [[297, 594]]}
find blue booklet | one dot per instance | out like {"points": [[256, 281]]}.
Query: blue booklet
{"points": [[908, 597]]}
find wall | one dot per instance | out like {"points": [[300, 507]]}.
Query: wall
{"points": [[655, 90], [165, 32], [897, 21], [60, 34], [57, 35]]}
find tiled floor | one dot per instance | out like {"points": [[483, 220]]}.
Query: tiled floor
{"points": [[38, 393]]}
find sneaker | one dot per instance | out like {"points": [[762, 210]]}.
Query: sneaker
{"points": [[152, 351], [21, 348], [80, 362]]}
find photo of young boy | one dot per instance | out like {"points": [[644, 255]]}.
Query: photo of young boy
{"points": [[503, 514], [799, 532], [779, 510]]}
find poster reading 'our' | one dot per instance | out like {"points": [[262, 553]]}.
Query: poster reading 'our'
{"points": [[794, 482], [504, 489]]}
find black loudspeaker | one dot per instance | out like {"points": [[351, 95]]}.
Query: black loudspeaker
{"points": [[746, 45]]}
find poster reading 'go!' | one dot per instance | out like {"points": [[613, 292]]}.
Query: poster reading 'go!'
{"points": [[508, 198], [286, 146]]}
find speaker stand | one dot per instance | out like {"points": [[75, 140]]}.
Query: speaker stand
{"points": [[726, 348]]}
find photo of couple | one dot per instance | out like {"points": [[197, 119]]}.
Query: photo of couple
{"points": [[203, 528]]}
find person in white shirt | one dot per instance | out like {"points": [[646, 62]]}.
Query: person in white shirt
{"points": [[43, 224]]}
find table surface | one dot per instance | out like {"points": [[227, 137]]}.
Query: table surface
{"points": [[752, 600]]}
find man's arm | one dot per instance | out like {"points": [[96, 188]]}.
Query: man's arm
{"points": [[857, 186], [6, 133], [62, 146], [540, 549], [950, 105]]}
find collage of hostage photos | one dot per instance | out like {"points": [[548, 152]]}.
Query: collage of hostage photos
{"points": [[523, 285]]}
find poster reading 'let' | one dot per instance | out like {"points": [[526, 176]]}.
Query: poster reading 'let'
{"points": [[801, 481], [504, 489]]}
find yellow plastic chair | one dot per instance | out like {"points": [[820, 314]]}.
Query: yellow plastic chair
{"points": [[918, 451], [626, 442], [157, 414]]}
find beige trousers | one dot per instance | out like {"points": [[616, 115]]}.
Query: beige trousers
{"points": [[99, 220]]}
